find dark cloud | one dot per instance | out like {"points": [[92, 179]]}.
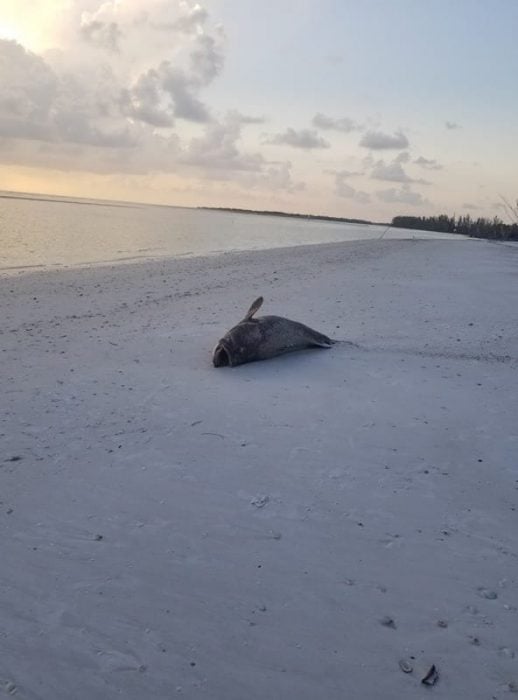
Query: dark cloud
{"points": [[377, 140], [452, 125], [321, 121], [305, 139]]}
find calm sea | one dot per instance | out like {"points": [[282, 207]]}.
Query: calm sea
{"points": [[49, 232]]}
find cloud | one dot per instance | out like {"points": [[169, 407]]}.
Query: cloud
{"points": [[29, 89], [274, 177], [133, 20], [403, 157], [321, 121], [192, 19], [37, 104], [107, 121], [113, 97], [116, 92], [145, 101], [218, 151], [104, 34], [343, 189], [334, 58], [245, 118], [207, 58], [393, 172], [163, 93], [218, 148], [343, 173], [182, 89], [305, 139], [452, 125], [377, 140], [427, 163], [136, 85], [404, 195], [216, 155]]}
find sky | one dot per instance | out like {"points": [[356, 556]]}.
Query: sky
{"points": [[355, 108]]}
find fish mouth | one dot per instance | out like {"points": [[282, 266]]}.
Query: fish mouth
{"points": [[221, 356]]}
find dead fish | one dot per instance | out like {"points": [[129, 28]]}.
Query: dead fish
{"points": [[264, 337]]}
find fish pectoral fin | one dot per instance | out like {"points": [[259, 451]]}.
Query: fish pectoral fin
{"points": [[254, 308]]}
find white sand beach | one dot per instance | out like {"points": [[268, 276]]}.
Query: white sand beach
{"points": [[288, 529]]}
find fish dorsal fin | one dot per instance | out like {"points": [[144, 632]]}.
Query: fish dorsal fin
{"points": [[254, 308]]}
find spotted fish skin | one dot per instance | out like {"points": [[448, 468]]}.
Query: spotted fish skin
{"points": [[262, 338]]}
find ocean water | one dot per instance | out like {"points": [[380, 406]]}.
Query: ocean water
{"points": [[49, 232]]}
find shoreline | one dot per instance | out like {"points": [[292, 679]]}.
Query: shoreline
{"points": [[32, 234], [292, 528], [18, 270]]}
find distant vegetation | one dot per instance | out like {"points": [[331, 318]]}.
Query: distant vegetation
{"points": [[494, 229], [319, 217]]}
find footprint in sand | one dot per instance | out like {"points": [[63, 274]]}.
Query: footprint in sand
{"points": [[390, 540], [506, 653], [260, 501], [389, 622], [487, 593], [9, 687], [112, 661]]}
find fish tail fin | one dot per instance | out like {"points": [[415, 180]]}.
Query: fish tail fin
{"points": [[321, 340]]}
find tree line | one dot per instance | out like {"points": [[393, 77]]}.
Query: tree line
{"points": [[481, 227], [292, 215]]}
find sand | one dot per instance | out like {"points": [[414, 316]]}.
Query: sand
{"points": [[287, 529]]}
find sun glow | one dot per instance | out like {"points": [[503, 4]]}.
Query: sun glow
{"points": [[11, 31], [30, 22]]}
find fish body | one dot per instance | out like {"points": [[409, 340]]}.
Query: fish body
{"points": [[261, 338]]}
